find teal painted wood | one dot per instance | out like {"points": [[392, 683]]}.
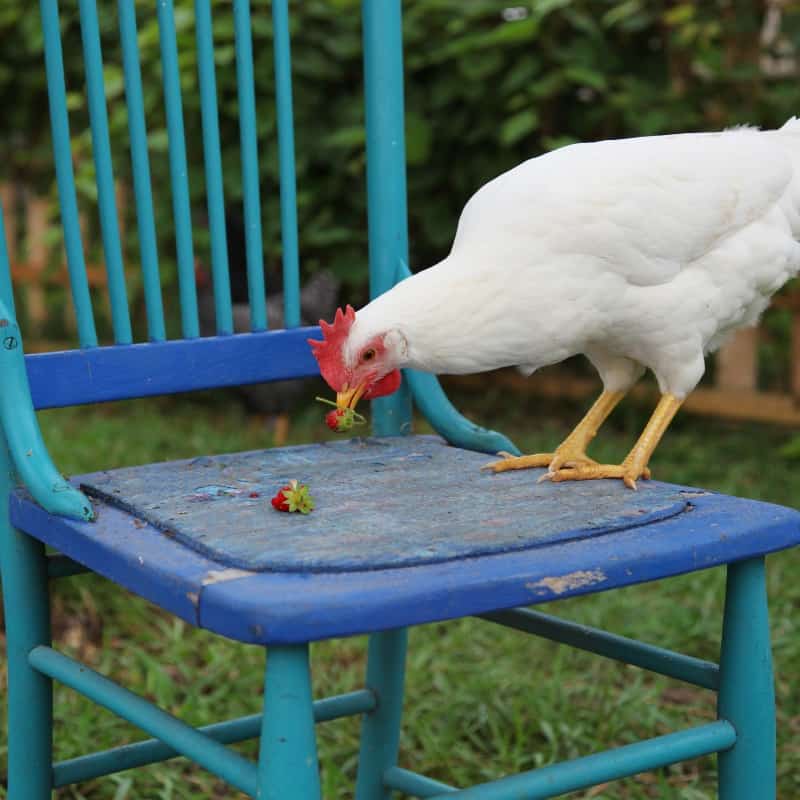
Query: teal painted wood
{"points": [[431, 400], [152, 751], [288, 180], [254, 247], [26, 600], [413, 784], [18, 421], [179, 174], [630, 651], [65, 178], [386, 176], [747, 692], [140, 168], [380, 730], [215, 195], [216, 758], [581, 773], [101, 152], [288, 766], [6, 288]]}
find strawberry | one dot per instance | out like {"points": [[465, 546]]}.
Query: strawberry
{"points": [[293, 497], [340, 419]]}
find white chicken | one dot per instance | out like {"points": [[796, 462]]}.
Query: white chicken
{"points": [[638, 253]]}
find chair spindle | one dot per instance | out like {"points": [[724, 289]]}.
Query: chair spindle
{"points": [[65, 178], [250, 174], [213, 167], [6, 287], [179, 174], [140, 163], [101, 150], [288, 181]]}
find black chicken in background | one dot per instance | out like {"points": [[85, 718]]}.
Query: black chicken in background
{"points": [[319, 298]]}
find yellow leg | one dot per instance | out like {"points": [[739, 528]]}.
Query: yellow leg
{"points": [[635, 464], [573, 449]]}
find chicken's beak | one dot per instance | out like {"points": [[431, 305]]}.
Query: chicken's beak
{"points": [[348, 398]]}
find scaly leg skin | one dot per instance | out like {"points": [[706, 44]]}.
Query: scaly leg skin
{"points": [[635, 464], [572, 451]]}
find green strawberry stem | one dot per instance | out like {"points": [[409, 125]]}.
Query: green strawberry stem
{"points": [[358, 419]]}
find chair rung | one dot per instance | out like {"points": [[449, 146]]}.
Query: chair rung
{"points": [[140, 754], [215, 757], [620, 648], [580, 773], [61, 566]]}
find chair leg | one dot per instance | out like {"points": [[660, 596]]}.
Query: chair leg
{"points": [[30, 694], [380, 729], [287, 764], [747, 692]]}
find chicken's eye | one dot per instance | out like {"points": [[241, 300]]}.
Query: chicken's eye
{"points": [[368, 355]]}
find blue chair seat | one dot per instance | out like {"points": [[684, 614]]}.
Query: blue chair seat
{"points": [[406, 530]]}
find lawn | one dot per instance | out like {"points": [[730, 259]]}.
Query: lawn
{"points": [[481, 701]]}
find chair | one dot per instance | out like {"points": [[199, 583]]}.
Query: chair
{"points": [[195, 538]]}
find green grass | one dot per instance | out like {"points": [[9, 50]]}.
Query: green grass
{"points": [[481, 701]]}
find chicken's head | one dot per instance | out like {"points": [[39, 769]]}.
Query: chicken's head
{"points": [[353, 368]]}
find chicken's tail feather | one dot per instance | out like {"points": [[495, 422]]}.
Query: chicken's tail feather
{"points": [[792, 126]]}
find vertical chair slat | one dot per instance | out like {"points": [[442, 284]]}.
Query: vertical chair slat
{"points": [[250, 175], [179, 173], [65, 177], [140, 164], [283, 99], [101, 150], [213, 167], [6, 289]]}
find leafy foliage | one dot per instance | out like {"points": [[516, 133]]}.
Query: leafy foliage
{"points": [[486, 86]]}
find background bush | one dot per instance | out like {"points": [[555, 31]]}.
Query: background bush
{"points": [[487, 86]]}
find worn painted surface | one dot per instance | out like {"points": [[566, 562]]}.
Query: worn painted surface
{"points": [[285, 607], [379, 503]]}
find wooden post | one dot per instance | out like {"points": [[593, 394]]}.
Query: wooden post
{"points": [[37, 215], [737, 362]]}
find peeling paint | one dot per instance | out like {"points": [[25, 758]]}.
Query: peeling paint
{"points": [[558, 584], [222, 575]]}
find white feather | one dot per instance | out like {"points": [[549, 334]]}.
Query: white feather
{"points": [[636, 252]]}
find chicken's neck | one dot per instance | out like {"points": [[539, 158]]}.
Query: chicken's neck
{"points": [[457, 319]]}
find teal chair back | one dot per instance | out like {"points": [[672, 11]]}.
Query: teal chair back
{"points": [[128, 369]]}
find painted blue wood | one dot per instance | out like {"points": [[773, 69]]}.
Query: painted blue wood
{"points": [[610, 645], [250, 175], [73, 377], [380, 730], [207, 752], [140, 168], [21, 430], [215, 195], [179, 173], [386, 176], [6, 289], [101, 152], [288, 179], [27, 623], [284, 608], [287, 765], [65, 178], [581, 773], [747, 691], [220, 505], [152, 751]]}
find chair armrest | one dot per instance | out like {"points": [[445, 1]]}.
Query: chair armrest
{"points": [[18, 420], [432, 401]]}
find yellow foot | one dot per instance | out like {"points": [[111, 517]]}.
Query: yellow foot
{"points": [[628, 472], [553, 461]]}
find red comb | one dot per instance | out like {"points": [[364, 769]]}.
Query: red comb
{"points": [[328, 352]]}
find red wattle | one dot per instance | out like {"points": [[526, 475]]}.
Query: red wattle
{"points": [[386, 385]]}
